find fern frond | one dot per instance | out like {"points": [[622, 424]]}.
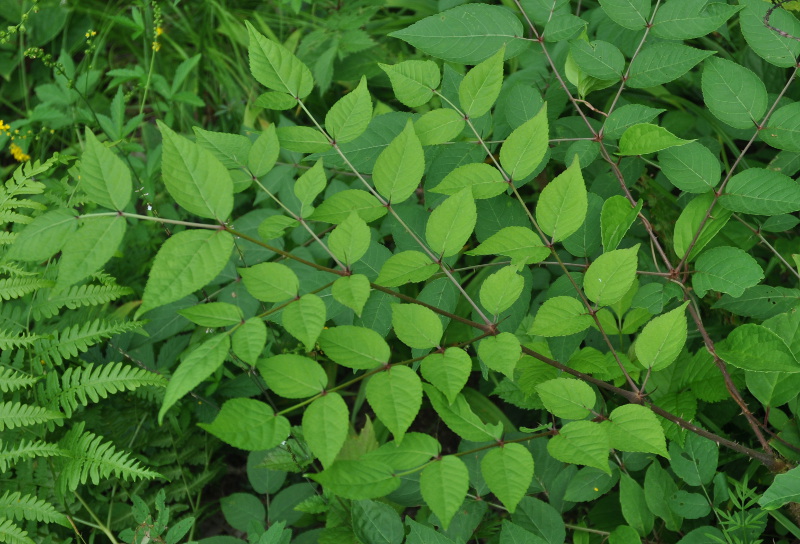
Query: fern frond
{"points": [[73, 340], [19, 287], [77, 296], [11, 380], [91, 458], [27, 507], [7, 238], [13, 269], [13, 217], [25, 203], [12, 534], [82, 385], [28, 450], [10, 340], [15, 414]]}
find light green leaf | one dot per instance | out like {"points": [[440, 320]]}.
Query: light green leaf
{"points": [[466, 34], [186, 262], [213, 314], [783, 127], [567, 398], [778, 50], [309, 186], [501, 290], [270, 282], [352, 291], [413, 81], [44, 236], [636, 428], [611, 275], [274, 226], [662, 62], [661, 340], [632, 14], [598, 59], [273, 100], [400, 166], [358, 479], [293, 376], [194, 177], [448, 371], [563, 204], [444, 484], [263, 153], [616, 218], [691, 167], [460, 418], [526, 147], [757, 348], [727, 270], [500, 353], [689, 222], [416, 449], [634, 506], [249, 340], [325, 425], [439, 126], [627, 116], [416, 326], [355, 347], [104, 177], [89, 249], [761, 192], [232, 150], [276, 68], [508, 471], [406, 267], [198, 365], [784, 489], [480, 88], [350, 240], [561, 316], [485, 181], [645, 138], [696, 461], [659, 486], [689, 505], [303, 139], [248, 424], [733, 93], [396, 397], [376, 523], [581, 443], [451, 224], [349, 117], [337, 207], [687, 19], [520, 243]]}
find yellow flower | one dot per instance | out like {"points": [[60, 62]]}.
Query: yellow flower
{"points": [[159, 31], [156, 47], [4, 127], [18, 153], [90, 34]]}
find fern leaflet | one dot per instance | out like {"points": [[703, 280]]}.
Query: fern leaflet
{"points": [[28, 450], [73, 340], [27, 507], [15, 414], [11, 380], [12, 534], [76, 297], [19, 287], [10, 340]]}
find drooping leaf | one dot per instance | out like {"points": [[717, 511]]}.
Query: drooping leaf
{"points": [[325, 425], [632, 14], [358, 479], [761, 192], [694, 215], [662, 62], [293, 376], [89, 249], [696, 461], [645, 138], [501, 290], [349, 117], [44, 236], [567, 398], [561, 316], [444, 484], [448, 371], [634, 506], [581, 443], [349, 241], [508, 472], [690, 167], [611, 275], [598, 58], [213, 314], [616, 218], [500, 353], [520, 243], [396, 397], [662, 339], [104, 177], [778, 50], [636, 428], [338, 207], [525, 148], [733, 93], [727, 270], [783, 127], [686, 19], [352, 291], [263, 153], [460, 418], [783, 490], [276, 68], [480, 87], [413, 81], [304, 319], [377, 523], [563, 204], [451, 224], [416, 326], [484, 180], [406, 267], [439, 126], [270, 282], [249, 340], [354, 347], [248, 424], [399, 167]]}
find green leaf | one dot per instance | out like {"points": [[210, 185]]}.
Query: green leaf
{"points": [[632, 14], [293, 376], [662, 62], [352, 291], [636, 428], [303, 139], [611, 275], [561, 316], [526, 147], [783, 127], [239, 509], [276, 68], [272, 100], [355, 347], [439, 126], [406, 267], [358, 479], [627, 116], [480, 88], [634, 505], [104, 177], [349, 117], [645, 138], [761, 192], [186, 262], [89, 249], [249, 340], [696, 462], [264, 152], [520, 243], [689, 505], [338, 207], [757, 348], [400, 166], [213, 314], [451, 224], [783, 490], [484, 180], [325, 425], [500, 353], [413, 81], [466, 34], [589, 484], [501, 290], [691, 167], [661, 340], [687, 19], [249, 425], [304, 319], [274, 226], [563, 204], [689, 223], [460, 418], [448, 371], [230, 149], [581, 443], [727, 270], [778, 50], [616, 218], [198, 365], [567, 398], [508, 471], [444, 484], [416, 449], [659, 487], [194, 177], [416, 326], [598, 59], [350, 240], [396, 397], [422, 534], [309, 186], [270, 282], [734, 94], [376, 523], [44, 236]]}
